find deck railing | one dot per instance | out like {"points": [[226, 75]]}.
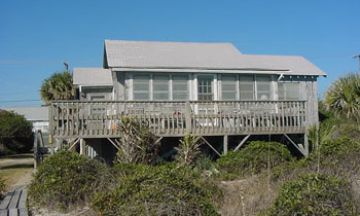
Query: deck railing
{"points": [[100, 119]]}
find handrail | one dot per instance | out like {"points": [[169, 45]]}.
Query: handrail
{"points": [[175, 118]]}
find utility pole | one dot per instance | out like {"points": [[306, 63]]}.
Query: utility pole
{"points": [[358, 58]]}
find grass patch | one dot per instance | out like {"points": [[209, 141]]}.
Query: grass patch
{"points": [[12, 175]]}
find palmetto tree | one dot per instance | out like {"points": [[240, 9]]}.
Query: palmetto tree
{"points": [[343, 97], [58, 87]]}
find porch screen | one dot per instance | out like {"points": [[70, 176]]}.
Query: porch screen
{"points": [[180, 87], [141, 87], [228, 87], [289, 90], [263, 87], [161, 87], [247, 87]]}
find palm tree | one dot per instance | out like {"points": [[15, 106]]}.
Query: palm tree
{"points": [[58, 87], [343, 97]]}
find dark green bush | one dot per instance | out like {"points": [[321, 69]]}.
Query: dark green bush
{"points": [[15, 133], [254, 158], [157, 190], [314, 195], [67, 180]]}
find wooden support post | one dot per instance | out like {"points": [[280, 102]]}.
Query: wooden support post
{"points": [[242, 142], [188, 117], [300, 148], [306, 144], [225, 143], [82, 146], [212, 148]]}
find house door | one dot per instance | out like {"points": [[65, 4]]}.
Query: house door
{"points": [[205, 88], [205, 93]]}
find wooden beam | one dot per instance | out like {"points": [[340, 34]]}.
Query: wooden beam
{"points": [[210, 146], [158, 140], [114, 144], [300, 149], [242, 142], [74, 144]]}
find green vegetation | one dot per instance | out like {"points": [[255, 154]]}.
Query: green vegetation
{"points": [[158, 190], [188, 150], [2, 187], [57, 87], [253, 159], [137, 144], [67, 180], [269, 181], [15, 133], [314, 195], [343, 97]]}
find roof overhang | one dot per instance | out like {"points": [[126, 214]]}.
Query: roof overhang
{"points": [[207, 70]]}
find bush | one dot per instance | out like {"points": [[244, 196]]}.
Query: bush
{"points": [[254, 158], [342, 145], [67, 180], [188, 150], [314, 195], [15, 133], [2, 188], [157, 190], [136, 143]]}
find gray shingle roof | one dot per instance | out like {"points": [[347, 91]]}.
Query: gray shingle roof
{"points": [[92, 77], [201, 56]]}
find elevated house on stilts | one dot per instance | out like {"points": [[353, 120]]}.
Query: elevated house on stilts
{"points": [[206, 89]]}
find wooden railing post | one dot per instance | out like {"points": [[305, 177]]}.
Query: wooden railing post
{"points": [[188, 117]]}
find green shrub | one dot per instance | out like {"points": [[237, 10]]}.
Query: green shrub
{"points": [[15, 133], [157, 190], [2, 188], [188, 150], [137, 144], [314, 195], [254, 158], [67, 180], [342, 145]]}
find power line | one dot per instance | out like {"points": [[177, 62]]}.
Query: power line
{"points": [[19, 101]]}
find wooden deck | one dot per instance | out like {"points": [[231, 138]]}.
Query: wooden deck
{"points": [[100, 119], [14, 203]]}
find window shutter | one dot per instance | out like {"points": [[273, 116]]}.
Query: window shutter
{"points": [[141, 87], [263, 87], [161, 87], [180, 87], [228, 87], [247, 87]]}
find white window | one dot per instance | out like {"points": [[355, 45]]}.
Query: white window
{"points": [[263, 87], [141, 87], [289, 90], [180, 87], [246, 85], [161, 87], [228, 87]]}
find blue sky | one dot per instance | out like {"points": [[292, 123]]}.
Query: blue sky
{"points": [[36, 37]]}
